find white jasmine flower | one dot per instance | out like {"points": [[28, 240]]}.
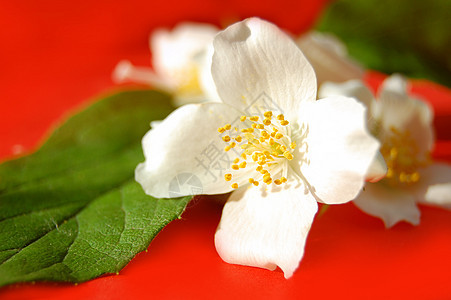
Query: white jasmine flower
{"points": [[181, 59], [403, 125], [329, 58], [269, 141]]}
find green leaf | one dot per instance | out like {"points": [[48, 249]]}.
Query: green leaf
{"points": [[405, 36], [72, 211]]}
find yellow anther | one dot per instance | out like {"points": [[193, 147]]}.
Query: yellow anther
{"points": [[280, 117], [226, 138], [275, 129], [235, 167], [284, 122], [251, 180], [275, 154], [278, 182], [279, 136], [268, 114], [268, 181], [261, 162], [263, 171], [239, 139], [261, 139], [254, 125], [243, 118], [282, 148], [265, 134], [271, 142], [221, 129], [254, 157], [227, 148], [235, 186], [248, 151], [228, 177], [259, 168], [273, 134], [293, 145], [267, 121], [267, 153], [243, 155], [288, 155], [243, 165], [260, 126], [236, 160], [254, 118], [227, 126], [283, 179], [232, 144], [255, 183]]}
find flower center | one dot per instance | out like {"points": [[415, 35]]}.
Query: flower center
{"points": [[403, 158], [265, 145]]}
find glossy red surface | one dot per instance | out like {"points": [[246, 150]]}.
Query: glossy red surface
{"points": [[56, 55]]}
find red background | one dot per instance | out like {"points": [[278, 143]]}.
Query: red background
{"points": [[56, 55]]}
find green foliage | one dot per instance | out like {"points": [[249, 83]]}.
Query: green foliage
{"points": [[72, 211], [405, 36]]}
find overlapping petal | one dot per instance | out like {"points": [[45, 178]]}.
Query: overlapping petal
{"points": [[256, 67], [187, 142], [266, 229], [329, 58], [339, 148], [352, 88], [389, 204]]}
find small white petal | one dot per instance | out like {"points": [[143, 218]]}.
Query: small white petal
{"points": [[395, 83], [389, 204], [434, 186], [352, 88], [266, 229], [257, 67], [328, 57], [377, 170], [186, 146], [339, 148]]}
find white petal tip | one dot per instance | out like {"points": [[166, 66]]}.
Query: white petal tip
{"points": [[122, 71]]}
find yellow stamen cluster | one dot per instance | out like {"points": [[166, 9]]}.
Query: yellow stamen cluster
{"points": [[403, 158], [263, 145]]}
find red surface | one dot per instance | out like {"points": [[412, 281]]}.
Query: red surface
{"points": [[55, 56]]}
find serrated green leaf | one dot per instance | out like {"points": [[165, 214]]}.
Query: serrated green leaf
{"points": [[72, 211], [405, 36]]}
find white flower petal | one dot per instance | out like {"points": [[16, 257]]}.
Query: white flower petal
{"points": [[339, 148], [206, 79], [258, 67], [352, 88], [396, 109], [434, 186], [266, 229], [391, 205], [179, 48], [328, 56], [186, 146]]}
